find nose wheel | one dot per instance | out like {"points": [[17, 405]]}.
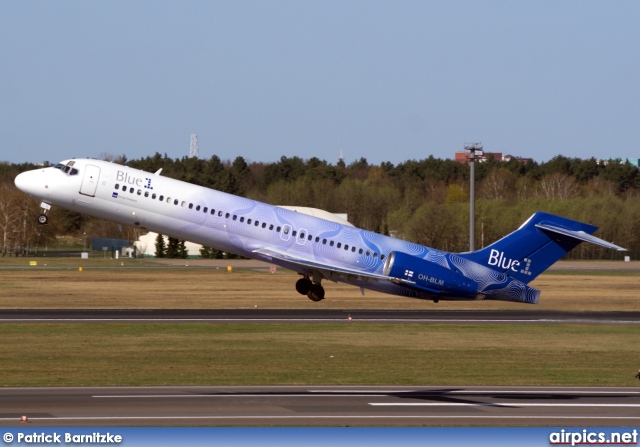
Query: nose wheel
{"points": [[43, 219]]}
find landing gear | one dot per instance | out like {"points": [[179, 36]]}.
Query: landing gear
{"points": [[314, 291], [43, 219], [303, 285]]}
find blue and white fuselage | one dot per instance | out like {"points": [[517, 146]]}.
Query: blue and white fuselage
{"points": [[314, 247]]}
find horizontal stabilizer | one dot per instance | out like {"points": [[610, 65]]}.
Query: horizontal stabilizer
{"points": [[580, 235]]}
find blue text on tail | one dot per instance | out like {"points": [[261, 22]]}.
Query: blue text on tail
{"points": [[535, 246]]}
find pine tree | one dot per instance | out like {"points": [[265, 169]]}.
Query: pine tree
{"points": [[183, 253], [173, 250], [206, 252], [160, 247]]}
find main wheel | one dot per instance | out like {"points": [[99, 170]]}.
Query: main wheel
{"points": [[303, 286], [316, 292], [43, 219]]}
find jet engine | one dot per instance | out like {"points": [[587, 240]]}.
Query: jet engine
{"points": [[427, 276], [461, 280]]}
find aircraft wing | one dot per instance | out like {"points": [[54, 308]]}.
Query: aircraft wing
{"points": [[329, 271]]}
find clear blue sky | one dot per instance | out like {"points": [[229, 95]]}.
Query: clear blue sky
{"points": [[385, 80]]}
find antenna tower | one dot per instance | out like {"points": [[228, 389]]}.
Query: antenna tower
{"points": [[193, 150]]}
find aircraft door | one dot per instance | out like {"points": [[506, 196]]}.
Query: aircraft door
{"points": [[90, 180]]}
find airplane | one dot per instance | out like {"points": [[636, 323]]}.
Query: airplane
{"points": [[317, 248]]}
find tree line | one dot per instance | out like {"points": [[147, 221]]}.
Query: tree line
{"points": [[424, 201]]}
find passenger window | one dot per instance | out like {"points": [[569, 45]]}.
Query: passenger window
{"points": [[324, 241], [368, 253], [271, 227], [235, 217], [346, 247], [124, 188], [278, 229], [309, 238], [301, 235], [360, 251], [264, 225], [249, 221], [219, 213], [227, 215], [286, 230], [175, 202], [191, 206], [331, 243], [294, 233], [205, 209], [197, 207], [168, 199], [183, 204], [117, 185], [382, 257], [339, 244], [146, 193], [375, 255], [161, 198], [256, 223], [353, 249], [153, 196], [131, 190], [139, 192], [242, 219]]}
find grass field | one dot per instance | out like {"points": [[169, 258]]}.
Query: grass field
{"points": [[315, 354], [135, 283], [254, 354]]}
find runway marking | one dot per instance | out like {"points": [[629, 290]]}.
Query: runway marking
{"points": [[369, 393], [227, 417], [160, 396], [495, 404], [487, 391]]}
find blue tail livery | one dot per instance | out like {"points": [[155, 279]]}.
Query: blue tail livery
{"points": [[535, 246]]}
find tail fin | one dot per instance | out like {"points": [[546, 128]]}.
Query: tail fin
{"points": [[535, 246]]}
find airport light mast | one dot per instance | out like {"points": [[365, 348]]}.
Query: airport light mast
{"points": [[475, 150]]}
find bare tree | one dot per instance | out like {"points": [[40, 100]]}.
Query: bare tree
{"points": [[558, 186], [498, 184]]}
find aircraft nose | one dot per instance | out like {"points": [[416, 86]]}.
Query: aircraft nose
{"points": [[31, 183], [22, 181]]}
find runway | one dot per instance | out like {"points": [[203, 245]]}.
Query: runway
{"points": [[311, 316], [320, 406]]}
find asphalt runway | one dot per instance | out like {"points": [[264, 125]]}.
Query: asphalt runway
{"points": [[311, 316], [320, 406]]}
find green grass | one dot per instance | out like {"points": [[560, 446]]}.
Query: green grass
{"points": [[315, 354]]}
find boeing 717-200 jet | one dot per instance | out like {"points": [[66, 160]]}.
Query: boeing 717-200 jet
{"points": [[316, 248]]}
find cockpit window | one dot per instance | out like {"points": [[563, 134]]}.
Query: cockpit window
{"points": [[67, 169]]}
